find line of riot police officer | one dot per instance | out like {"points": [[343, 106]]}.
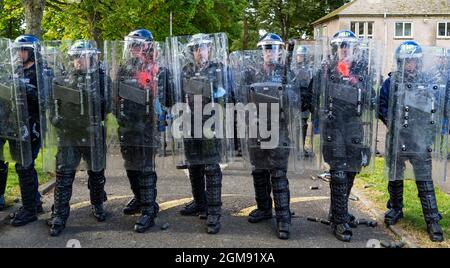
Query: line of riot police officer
{"points": [[263, 80], [20, 121], [414, 107], [346, 119], [141, 78], [75, 109], [137, 82], [200, 78]]}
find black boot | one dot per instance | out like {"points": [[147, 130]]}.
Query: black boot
{"points": [[395, 203], [99, 213], [39, 203], [96, 185], [148, 193], [39, 207], [198, 205], [62, 196], [281, 196], [134, 205], [430, 210], [435, 232], [3, 179], [263, 189], [213, 176], [27, 184], [145, 221], [57, 225], [339, 206], [351, 180]]}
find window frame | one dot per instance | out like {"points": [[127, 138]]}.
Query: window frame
{"points": [[403, 36], [357, 29], [447, 30]]}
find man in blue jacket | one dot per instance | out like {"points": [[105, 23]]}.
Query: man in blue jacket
{"points": [[412, 132]]}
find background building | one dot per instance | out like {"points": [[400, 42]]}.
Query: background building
{"points": [[392, 22]]}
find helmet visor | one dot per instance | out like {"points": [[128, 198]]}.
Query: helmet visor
{"points": [[138, 48], [201, 53], [272, 53], [345, 49]]}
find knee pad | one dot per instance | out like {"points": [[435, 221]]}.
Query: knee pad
{"points": [[24, 171], [339, 177], [196, 171], [148, 180], [213, 170], [260, 176], [65, 178], [425, 186], [278, 173]]}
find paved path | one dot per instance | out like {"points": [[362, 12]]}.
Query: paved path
{"points": [[173, 191]]}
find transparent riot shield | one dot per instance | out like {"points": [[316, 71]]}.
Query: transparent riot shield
{"points": [[417, 140], [348, 80], [75, 107], [235, 66], [14, 125], [199, 67], [136, 82], [301, 75], [444, 71], [268, 112]]}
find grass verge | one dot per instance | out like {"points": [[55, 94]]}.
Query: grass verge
{"points": [[374, 187]]}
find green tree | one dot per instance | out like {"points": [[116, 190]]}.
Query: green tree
{"points": [[34, 10], [243, 20], [220, 16], [250, 26], [12, 18], [108, 19], [293, 18]]}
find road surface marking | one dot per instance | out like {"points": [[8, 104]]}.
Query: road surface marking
{"points": [[246, 211]]}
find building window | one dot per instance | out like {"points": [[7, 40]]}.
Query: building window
{"points": [[443, 29], [324, 31], [362, 29], [370, 30], [403, 30]]}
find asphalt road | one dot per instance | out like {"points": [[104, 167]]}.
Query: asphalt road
{"points": [[187, 232]]}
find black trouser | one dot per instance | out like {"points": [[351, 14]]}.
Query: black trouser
{"points": [[28, 178], [341, 185], [266, 181], [139, 164], [342, 149], [427, 198], [206, 182], [422, 165], [270, 176], [67, 161]]}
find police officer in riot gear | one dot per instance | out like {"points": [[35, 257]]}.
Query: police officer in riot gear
{"points": [[203, 155], [271, 178], [410, 147], [302, 77], [25, 46], [347, 95], [137, 124], [79, 131]]}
